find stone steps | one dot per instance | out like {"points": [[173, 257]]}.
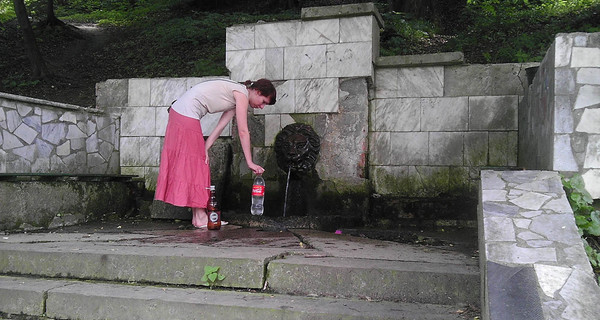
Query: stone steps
{"points": [[299, 275], [63, 299]]}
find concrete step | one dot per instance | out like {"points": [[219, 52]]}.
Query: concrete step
{"points": [[375, 279], [63, 299], [298, 262]]}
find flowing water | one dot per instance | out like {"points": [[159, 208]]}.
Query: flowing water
{"points": [[287, 185]]}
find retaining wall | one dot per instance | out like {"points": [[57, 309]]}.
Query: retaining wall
{"points": [[44, 136], [560, 123], [532, 261]]}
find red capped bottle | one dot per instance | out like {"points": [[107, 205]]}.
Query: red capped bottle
{"points": [[212, 210], [258, 196]]}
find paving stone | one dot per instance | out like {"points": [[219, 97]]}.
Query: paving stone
{"points": [[551, 278], [513, 293], [531, 200]]}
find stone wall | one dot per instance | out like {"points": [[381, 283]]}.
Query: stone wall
{"points": [[436, 121], [39, 136], [560, 124], [142, 104], [532, 260]]}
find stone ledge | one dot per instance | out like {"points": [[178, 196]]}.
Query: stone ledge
{"points": [[419, 60], [48, 103], [532, 261], [344, 10]]}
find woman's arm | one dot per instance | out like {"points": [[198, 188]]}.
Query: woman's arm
{"points": [[241, 116]]}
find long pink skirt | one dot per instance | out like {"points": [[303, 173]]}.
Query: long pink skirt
{"points": [[183, 175]]}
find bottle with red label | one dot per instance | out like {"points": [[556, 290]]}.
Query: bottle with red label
{"points": [[258, 196], [214, 215]]}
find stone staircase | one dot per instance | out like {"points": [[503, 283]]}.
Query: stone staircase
{"points": [[153, 270]]}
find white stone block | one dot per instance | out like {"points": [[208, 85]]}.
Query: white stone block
{"points": [[139, 93], [562, 46], [26, 133], [551, 278], [386, 83], [26, 153], [313, 32], [446, 148], [164, 91], [588, 95], [149, 151], [493, 113], [589, 76], [48, 115], [276, 35], [69, 117], [130, 151], [563, 154], [162, 118], [138, 122], [356, 29], [590, 121], [381, 148], [272, 127], [286, 120], [317, 95], [397, 114], [274, 64], [23, 109], [409, 148], [444, 114], [563, 115], [64, 149], [209, 122], [592, 152], [499, 229], [349, 60], [585, 57], [421, 82], [305, 62], [75, 133], [239, 37], [91, 144], [246, 64], [13, 120], [591, 179]]}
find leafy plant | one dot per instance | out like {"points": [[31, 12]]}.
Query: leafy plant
{"points": [[211, 276], [587, 218]]}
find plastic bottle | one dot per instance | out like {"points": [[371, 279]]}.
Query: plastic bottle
{"points": [[258, 196], [212, 210]]}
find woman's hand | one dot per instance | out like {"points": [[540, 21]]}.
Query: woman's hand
{"points": [[206, 158], [256, 168]]}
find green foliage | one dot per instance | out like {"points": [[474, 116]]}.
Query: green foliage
{"points": [[587, 218], [402, 34], [211, 276]]}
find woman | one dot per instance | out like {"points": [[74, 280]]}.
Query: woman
{"points": [[184, 173]]}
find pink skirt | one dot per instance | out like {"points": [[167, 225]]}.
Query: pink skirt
{"points": [[183, 175]]}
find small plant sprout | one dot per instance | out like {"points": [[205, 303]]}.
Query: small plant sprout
{"points": [[211, 276]]}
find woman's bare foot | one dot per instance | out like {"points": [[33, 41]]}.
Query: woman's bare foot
{"points": [[199, 218]]}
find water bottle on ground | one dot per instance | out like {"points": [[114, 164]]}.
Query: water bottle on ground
{"points": [[212, 210], [258, 196]]}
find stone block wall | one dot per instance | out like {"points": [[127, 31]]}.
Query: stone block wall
{"points": [[142, 105], [560, 125], [435, 122], [39, 136], [532, 260]]}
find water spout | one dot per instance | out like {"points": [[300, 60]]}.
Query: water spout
{"points": [[287, 185]]}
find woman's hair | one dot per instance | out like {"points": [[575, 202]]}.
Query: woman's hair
{"points": [[264, 87]]}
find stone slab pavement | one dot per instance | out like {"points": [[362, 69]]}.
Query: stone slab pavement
{"points": [[294, 266]]}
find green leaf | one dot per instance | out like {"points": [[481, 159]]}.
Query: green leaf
{"points": [[221, 277], [209, 269], [212, 277]]}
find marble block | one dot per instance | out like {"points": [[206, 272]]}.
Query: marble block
{"points": [[409, 148], [246, 64], [239, 37], [590, 121], [318, 32], [138, 93], [397, 114], [356, 29], [349, 60], [164, 91], [444, 114], [493, 113], [445, 148], [305, 62], [276, 35], [421, 82], [317, 95], [585, 57]]}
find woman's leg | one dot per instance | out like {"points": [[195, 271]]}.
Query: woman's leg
{"points": [[199, 218]]}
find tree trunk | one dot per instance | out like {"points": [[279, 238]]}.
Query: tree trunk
{"points": [[38, 66], [51, 18]]}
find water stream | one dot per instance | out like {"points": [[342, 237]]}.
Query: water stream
{"points": [[287, 184]]}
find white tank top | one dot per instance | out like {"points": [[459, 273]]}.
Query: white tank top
{"points": [[211, 96]]}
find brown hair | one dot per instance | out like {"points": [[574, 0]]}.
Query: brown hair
{"points": [[264, 87]]}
